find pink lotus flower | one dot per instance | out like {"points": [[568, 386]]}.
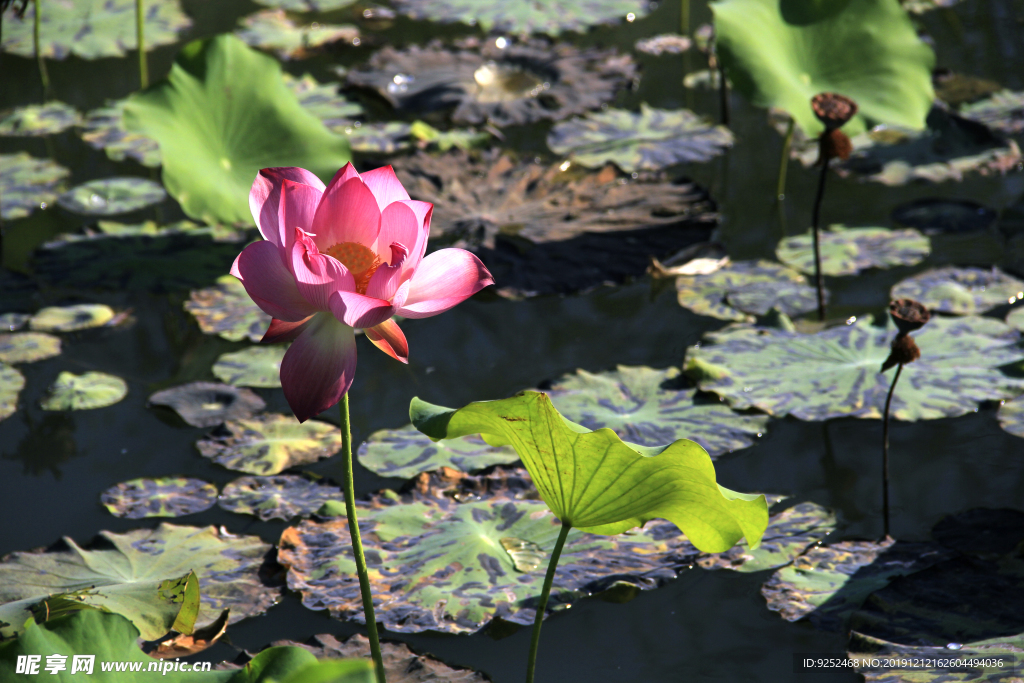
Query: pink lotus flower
{"points": [[343, 257]]}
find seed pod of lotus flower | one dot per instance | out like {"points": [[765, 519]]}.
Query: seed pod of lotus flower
{"points": [[909, 315], [833, 110]]}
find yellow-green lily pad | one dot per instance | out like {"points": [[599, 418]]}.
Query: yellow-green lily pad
{"points": [[227, 311], [847, 251], [744, 289], [28, 347], [84, 392], [12, 322], [11, 384], [281, 497], [961, 291], [162, 497], [104, 129], [272, 30], [39, 119], [256, 366], [111, 196], [407, 452], [269, 444], [27, 184], [71, 318]]}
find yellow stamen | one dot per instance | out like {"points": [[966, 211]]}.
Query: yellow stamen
{"points": [[359, 259]]}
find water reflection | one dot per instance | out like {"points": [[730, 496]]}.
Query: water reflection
{"points": [[49, 442]]}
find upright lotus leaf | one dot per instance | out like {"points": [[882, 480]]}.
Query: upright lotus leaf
{"points": [[11, 384], [28, 347], [323, 100], [653, 407], [961, 291], [207, 404], [273, 30], [221, 115], [71, 318], [256, 366], [270, 443], [781, 53], [124, 565], [621, 485], [648, 141], [1003, 111], [227, 311], [406, 452], [847, 251], [525, 16], [104, 129], [39, 119], [282, 497], [87, 391], [27, 184], [744, 289], [163, 497], [110, 196], [834, 373], [91, 29]]}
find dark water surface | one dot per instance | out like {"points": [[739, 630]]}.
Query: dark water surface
{"points": [[707, 626]]}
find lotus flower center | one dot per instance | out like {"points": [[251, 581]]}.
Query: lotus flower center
{"points": [[359, 259]]}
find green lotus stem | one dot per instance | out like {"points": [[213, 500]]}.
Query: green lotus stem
{"points": [[684, 17], [723, 93], [787, 144], [819, 280], [885, 453], [43, 76], [140, 41], [357, 543], [531, 663]]}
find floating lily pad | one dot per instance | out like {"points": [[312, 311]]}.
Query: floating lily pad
{"points": [[268, 444], [518, 84], [653, 408], [525, 16], [256, 366], [377, 138], [961, 291], [281, 497], [227, 311], [84, 392], [834, 373], [163, 497], [956, 89], [207, 404], [323, 101], [406, 452], [1003, 111], [91, 29], [650, 140], [71, 318], [444, 140], [847, 251], [11, 322], [39, 119], [111, 196], [922, 6], [11, 384], [105, 129], [744, 289], [1011, 416], [307, 5], [122, 565], [273, 30], [28, 347], [666, 43], [27, 184], [220, 97]]}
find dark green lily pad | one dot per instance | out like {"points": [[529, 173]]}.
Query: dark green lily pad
{"points": [[71, 318], [648, 141], [744, 289], [227, 565], [307, 5], [91, 29], [323, 100], [835, 373], [271, 443], [652, 408], [105, 129], [207, 404], [163, 497], [39, 119], [961, 291], [664, 44], [11, 322], [256, 366], [406, 452], [111, 196], [28, 347], [1003, 111], [11, 384], [227, 311], [281, 497], [525, 16], [273, 30], [84, 392], [27, 184], [847, 251]]}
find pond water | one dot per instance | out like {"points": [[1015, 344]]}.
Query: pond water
{"points": [[706, 626]]}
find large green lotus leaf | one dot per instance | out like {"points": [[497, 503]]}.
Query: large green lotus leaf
{"points": [[962, 291], [406, 452], [271, 443], [163, 497], [525, 16], [835, 373], [71, 318], [104, 129], [781, 53], [282, 497], [847, 251], [92, 28], [653, 407], [228, 567], [645, 141], [221, 115], [84, 392], [109, 196], [28, 347], [27, 184], [621, 485], [207, 404], [256, 366], [39, 119], [307, 5], [227, 311], [11, 384], [1003, 111], [273, 30], [744, 289]]}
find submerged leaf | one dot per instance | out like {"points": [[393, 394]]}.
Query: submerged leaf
{"points": [[110, 196], [227, 311], [281, 497], [163, 497], [28, 347], [27, 184], [207, 404], [847, 251], [273, 30], [406, 452], [105, 129], [962, 291], [11, 384], [744, 289], [39, 119], [87, 391], [71, 318], [256, 366], [271, 443]]}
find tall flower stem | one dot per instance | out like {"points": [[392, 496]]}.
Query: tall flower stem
{"points": [[723, 93], [43, 76], [684, 17], [885, 453], [349, 488], [819, 279], [531, 664], [140, 35]]}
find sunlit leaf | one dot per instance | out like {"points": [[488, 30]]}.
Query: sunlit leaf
{"points": [[110, 196], [273, 30], [280, 497], [256, 366], [847, 251], [963, 291], [28, 347], [71, 318], [27, 184], [525, 16], [744, 289], [11, 384], [270, 443], [406, 452], [207, 404], [227, 311], [87, 391], [162, 497], [39, 119]]}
